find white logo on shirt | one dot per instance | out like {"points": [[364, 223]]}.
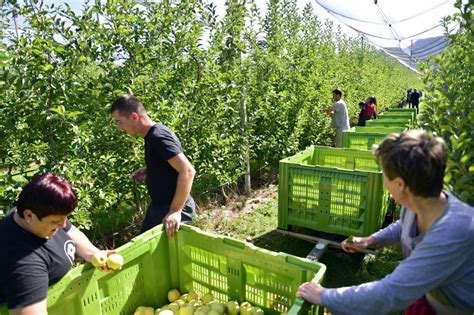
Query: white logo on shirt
{"points": [[70, 250]]}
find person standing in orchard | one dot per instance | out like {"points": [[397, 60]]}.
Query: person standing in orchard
{"points": [[340, 117], [168, 173], [435, 230]]}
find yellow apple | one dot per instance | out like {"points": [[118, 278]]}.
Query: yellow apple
{"points": [[257, 311], [180, 302], [166, 312], [233, 307], [173, 295], [208, 297], [157, 311], [148, 311], [246, 308], [186, 310], [115, 261], [213, 312], [99, 259], [139, 310], [174, 307], [192, 296]]}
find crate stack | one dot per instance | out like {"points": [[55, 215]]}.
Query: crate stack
{"points": [[339, 190], [393, 120]]}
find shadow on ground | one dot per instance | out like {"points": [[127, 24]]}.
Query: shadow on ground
{"points": [[343, 269]]}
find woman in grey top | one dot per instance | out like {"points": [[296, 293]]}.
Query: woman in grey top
{"points": [[435, 230]]}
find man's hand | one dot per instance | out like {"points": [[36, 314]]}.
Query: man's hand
{"points": [[139, 175], [311, 292], [172, 221]]}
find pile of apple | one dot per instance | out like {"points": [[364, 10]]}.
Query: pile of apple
{"points": [[190, 303]]}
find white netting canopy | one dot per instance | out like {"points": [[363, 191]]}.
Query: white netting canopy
{"points": [[409, 30]]}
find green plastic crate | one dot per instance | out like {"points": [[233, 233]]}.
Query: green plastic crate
{"points": [[413, 110], [352, 159], [193, 260], [389, 123], [389, 115], [333, 200], [384, 130], [361, 140]]}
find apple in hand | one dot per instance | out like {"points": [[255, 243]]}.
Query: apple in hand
{"points": [[99, 259], [115, 261]]}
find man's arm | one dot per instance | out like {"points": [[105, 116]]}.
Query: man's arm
{"points": [[183, 187], [33, 309]]}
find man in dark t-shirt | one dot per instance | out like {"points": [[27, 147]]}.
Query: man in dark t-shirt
{"points": [[168, 173]]}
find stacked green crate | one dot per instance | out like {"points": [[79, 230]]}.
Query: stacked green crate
{"points": [[384, 130], [398, 115], [192, 260], [401, 110], [333, 190], [389, 123], [361, 140]]}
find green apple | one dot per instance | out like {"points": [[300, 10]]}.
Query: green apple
{"points": [[174, 307], [205, 309], [233, 307], [99, 259], [213, 312], [192, 296], [208, 297], [115, 261], [218, 307], [257, 311], [173, 295], [246, 308]]}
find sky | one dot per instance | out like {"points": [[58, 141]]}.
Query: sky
{"points": [[77, 5], [390, 24]]}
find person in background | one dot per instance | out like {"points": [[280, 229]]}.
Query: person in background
{"points": [[340, 117], [409, 98], [370, 108], [39, 244], [436, 233], [362, 116], [415, 99], [168, 173]]}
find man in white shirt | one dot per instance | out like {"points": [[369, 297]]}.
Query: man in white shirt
{"points": [[340, 118]]}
